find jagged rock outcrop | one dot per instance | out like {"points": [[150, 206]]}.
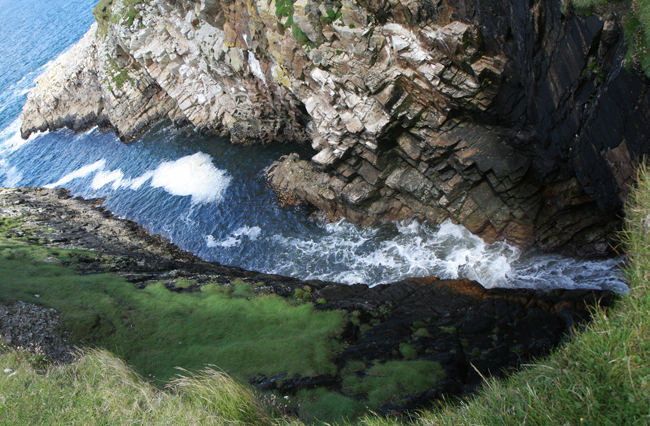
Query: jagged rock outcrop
{"points": [[518, 120]]}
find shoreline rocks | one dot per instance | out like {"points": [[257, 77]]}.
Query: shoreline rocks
{"points": [[465, 329]]}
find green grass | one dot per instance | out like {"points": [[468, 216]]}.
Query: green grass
{"points": [[601, 376], [99, 389], [104, 15], [156, 330], [384, 382], [116, 76], [321, 406]]}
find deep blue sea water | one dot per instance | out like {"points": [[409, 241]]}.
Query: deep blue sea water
{"points": [[209, 197]]}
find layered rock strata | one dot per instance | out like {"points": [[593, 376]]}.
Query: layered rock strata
{"points": [[517, 120], [471, 332]]}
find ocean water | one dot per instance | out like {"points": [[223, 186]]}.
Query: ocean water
{"points": [[209, 196]]}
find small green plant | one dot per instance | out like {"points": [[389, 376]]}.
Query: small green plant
{"points": [[422, 332], [299, 294], [636, 27], [183, 283], [419, 324], [104, 15], [284, 9], [353, 367], [394, 379], [117, 76], [408, 351]]}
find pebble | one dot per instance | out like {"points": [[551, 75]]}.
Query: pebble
{"points": [[8, 370]]}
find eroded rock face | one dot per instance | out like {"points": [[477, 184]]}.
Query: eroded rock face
{"points": [[514, 119]]}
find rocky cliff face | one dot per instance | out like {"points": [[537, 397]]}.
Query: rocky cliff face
{"points": [[516, 119]]}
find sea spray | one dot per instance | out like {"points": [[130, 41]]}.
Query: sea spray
{"points": [[192, 175]]}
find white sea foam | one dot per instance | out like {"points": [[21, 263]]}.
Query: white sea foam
{"points": [[193, 175], [103, 178], [351, 254], [136, 183], [10, 139], [236, 238], [79, 173], [12, 177]]}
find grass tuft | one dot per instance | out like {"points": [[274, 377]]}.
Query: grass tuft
{"points": [[215, 392], [100, 389]]}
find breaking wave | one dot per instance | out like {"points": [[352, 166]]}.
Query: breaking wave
{"points": [[351, 254], [192, 175]]}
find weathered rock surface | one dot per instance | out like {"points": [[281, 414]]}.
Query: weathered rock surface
{"points": [[33, 328], [517, 120], [468, 330]]}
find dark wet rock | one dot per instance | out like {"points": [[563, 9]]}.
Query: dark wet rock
{"points": [[472, 332]]}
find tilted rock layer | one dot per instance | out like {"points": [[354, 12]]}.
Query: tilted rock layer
{"points": [[516, 119]]}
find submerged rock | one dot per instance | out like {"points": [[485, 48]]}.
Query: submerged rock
{"points": [[518, 121], [456, 331]]}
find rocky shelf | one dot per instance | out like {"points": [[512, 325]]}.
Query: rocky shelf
{"points": [[472, 332]]}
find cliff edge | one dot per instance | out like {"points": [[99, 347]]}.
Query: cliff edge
{"points": [[518, 120]]}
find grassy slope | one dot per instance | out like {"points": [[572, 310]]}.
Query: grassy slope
{"points": [[601, 377], [156, 329], [100, 389]]}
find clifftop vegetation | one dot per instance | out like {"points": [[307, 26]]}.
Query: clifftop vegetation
{"points": [[635, 16]]}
